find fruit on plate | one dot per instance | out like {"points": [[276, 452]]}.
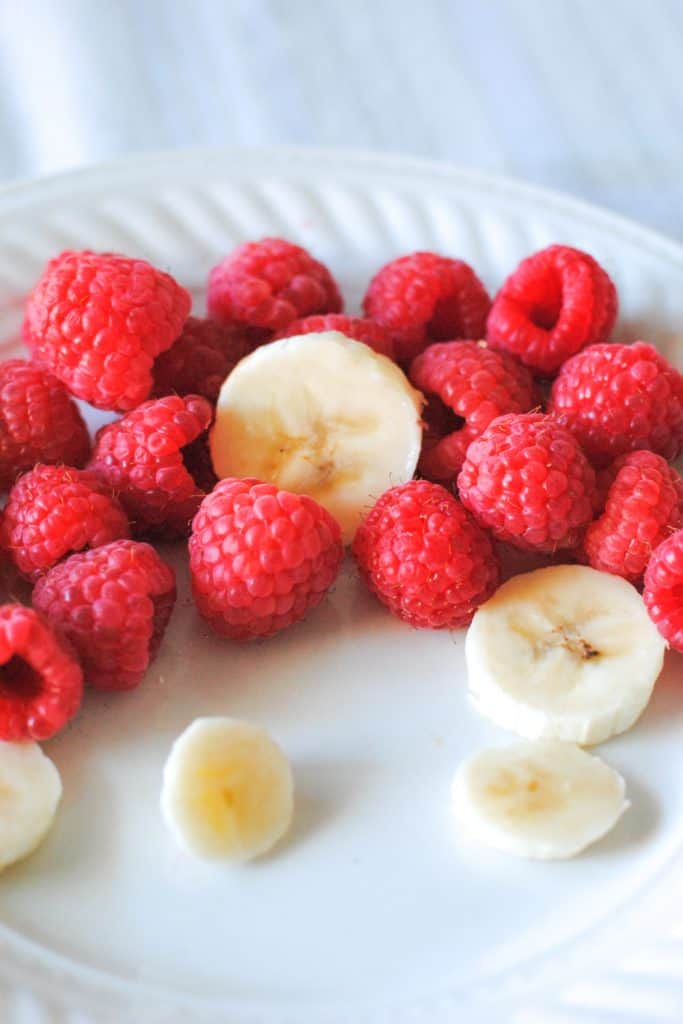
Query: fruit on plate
{"points": [[322, 415], [663, 591], [564, 652], [543, 799], [228, 792], [30, 791]]}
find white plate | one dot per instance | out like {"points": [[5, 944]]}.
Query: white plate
{"points": [[374, 909]]}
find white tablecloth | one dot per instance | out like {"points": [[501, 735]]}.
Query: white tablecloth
{"points": [[582, 95]]}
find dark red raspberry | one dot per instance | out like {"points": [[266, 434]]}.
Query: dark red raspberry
{"points": [[113, 605], [260, 558], [197, 459], [41, 683], [554, 303], [643, 506], [663, 590], [200, 360], [619, 398], [467, 384], [268, 284], [358, 328], [53, 511], [98, 321], [141, 458], [39, 422], [424, 557], [528, 481], [425, 297]]}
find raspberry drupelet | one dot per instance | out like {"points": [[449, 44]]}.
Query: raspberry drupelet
{"points": [[260, 558], [200, 360], [358, 328], [663, 589], [466, 384], [424, 297], [554, 303], [266, 285], [113, 604], [98, 321], [41, 683], [424, 556], [527, 480]]}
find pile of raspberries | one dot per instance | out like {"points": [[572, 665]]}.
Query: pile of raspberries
{"points": [[540, 434]]}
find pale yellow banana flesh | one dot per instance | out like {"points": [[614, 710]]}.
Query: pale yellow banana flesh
{"points": [[30, 791]]}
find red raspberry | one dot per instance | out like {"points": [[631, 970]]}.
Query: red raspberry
{"points": [[53, 511], [367, 331], [41, 683], [200, 360], [554, 303], [619, 398], [424, 557], [663, 590], [528, 481], [141, 458], [467, 384], [113, 604], [39, 422], [644, 505], [260, 558], [425, 297], [268, 284], [98, 321]]}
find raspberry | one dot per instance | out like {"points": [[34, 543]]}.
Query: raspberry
{"points": [[467, 384], [367, 331], [619, 398], [424, 297], [527, 479], [39, 422], [53, 511], [268, 284], [260, 558], [98, 321], [424, 556], [41, 683], [663, 590], [141, 459], [200, 360], [113, 605], [644, 505], [554, 303]]}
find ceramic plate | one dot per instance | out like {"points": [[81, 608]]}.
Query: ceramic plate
{"points": [[374, 909]]}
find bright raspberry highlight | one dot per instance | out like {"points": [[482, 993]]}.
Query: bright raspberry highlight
{"points": [[467, 385], [141, 458], [425, 558], [200, 360], [98, 321], [268, 284], [554, 303], [425, 297], [663, 591], [39, 422], [620, 398], [528, 481], [356, 327], [260, 558], [53, 511], [41, 682], [113, 604]]}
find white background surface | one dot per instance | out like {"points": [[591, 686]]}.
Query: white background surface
{"points": [[581, 95]]}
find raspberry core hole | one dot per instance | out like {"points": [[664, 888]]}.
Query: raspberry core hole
{"points": [[19, 679], [440, 418]]}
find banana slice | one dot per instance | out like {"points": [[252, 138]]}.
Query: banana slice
{"points": [[228, 790], [544, 799], [30, 791], [322, 415], [565, 652]]}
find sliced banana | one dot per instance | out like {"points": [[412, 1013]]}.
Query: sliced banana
{"points": [[544, 799], [322, 415], [228, 792], [565, 652], [30, 791]]}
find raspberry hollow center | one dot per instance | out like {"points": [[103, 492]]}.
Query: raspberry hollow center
{"points": [[19, 679]]}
